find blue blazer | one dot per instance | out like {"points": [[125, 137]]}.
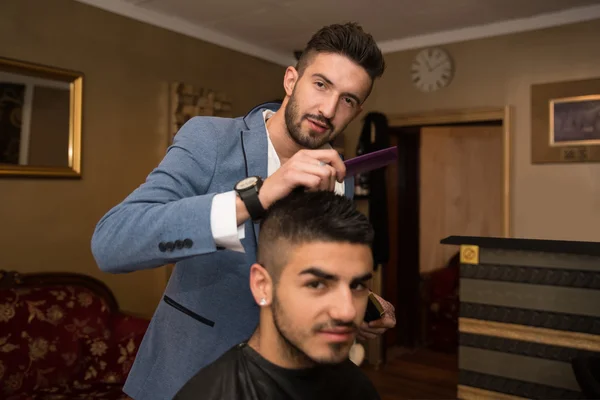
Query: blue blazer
{"points": [[207, 306]]}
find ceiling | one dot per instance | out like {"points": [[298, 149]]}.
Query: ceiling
{"points": [[273, 29]]}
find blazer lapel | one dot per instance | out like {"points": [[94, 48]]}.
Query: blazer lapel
{"points": [[254, 145]]}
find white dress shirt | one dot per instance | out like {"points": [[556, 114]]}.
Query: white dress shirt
{"points": [[223, 216]]}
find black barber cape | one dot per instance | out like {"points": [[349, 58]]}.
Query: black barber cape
{"points": [[243, 374]]}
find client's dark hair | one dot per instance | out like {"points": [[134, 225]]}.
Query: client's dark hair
{"points": [[349, 40], [305, 217]]}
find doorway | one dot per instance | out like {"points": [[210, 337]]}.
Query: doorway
{"points": [[451, 179]]}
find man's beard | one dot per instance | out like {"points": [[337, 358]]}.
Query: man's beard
{"points": [[292, 349], [308, 141]]}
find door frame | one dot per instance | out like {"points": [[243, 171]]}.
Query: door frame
{"points": [[503, 114], [441, 117]]}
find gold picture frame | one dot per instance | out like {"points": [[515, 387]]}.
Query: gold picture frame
{"points": [[565, 122], [72, 81]]}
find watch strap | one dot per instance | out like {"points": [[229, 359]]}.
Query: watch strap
{"points": [[253, 204]]}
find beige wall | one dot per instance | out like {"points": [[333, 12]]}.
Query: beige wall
{"points": [[548, 201], [47, 224]]}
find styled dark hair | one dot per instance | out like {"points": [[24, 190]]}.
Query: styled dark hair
{"points": [[305, 217], [349, 40]]}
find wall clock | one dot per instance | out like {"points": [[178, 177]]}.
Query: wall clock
{"points": [[432, 69]]}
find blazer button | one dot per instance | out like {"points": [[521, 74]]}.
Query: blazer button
{"points": [[162, 247], [170, 246], [178, 244], [188, 243]]}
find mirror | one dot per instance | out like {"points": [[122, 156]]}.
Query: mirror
{"points": [[40, 120]]}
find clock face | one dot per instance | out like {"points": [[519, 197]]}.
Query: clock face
{"points": [[246, 183], [432, 69]]}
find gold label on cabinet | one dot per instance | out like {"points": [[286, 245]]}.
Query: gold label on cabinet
{"points": [[469, 254]]}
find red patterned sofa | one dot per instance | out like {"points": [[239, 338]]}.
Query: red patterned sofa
{"points": [[62, 337]]}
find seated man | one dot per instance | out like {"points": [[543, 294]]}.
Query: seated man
{"points": [[314, 260]]}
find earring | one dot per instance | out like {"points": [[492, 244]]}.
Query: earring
{"points": [[357, 353], [263, 302]]}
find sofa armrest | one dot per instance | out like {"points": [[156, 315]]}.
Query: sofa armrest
{"points": [[111, 357], [127, 332], [126, 326]]}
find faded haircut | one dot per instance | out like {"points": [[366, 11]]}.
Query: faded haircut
{"points": [[306, 217]]}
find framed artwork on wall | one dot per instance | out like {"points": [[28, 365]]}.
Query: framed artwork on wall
{"points": [[565, 122], [188, 101]]}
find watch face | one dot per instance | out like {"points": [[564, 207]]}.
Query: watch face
{"points": [[247, 183]]}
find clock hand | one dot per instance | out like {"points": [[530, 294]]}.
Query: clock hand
{"points": [[438, 65], [428, 65]]}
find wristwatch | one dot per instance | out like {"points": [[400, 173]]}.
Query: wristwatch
{"points": [[248, 189]]}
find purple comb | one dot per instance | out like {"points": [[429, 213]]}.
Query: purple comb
{"points": [[371, 161]]}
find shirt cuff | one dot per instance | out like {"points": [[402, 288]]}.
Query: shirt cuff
{"points": [[223, 222]]}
